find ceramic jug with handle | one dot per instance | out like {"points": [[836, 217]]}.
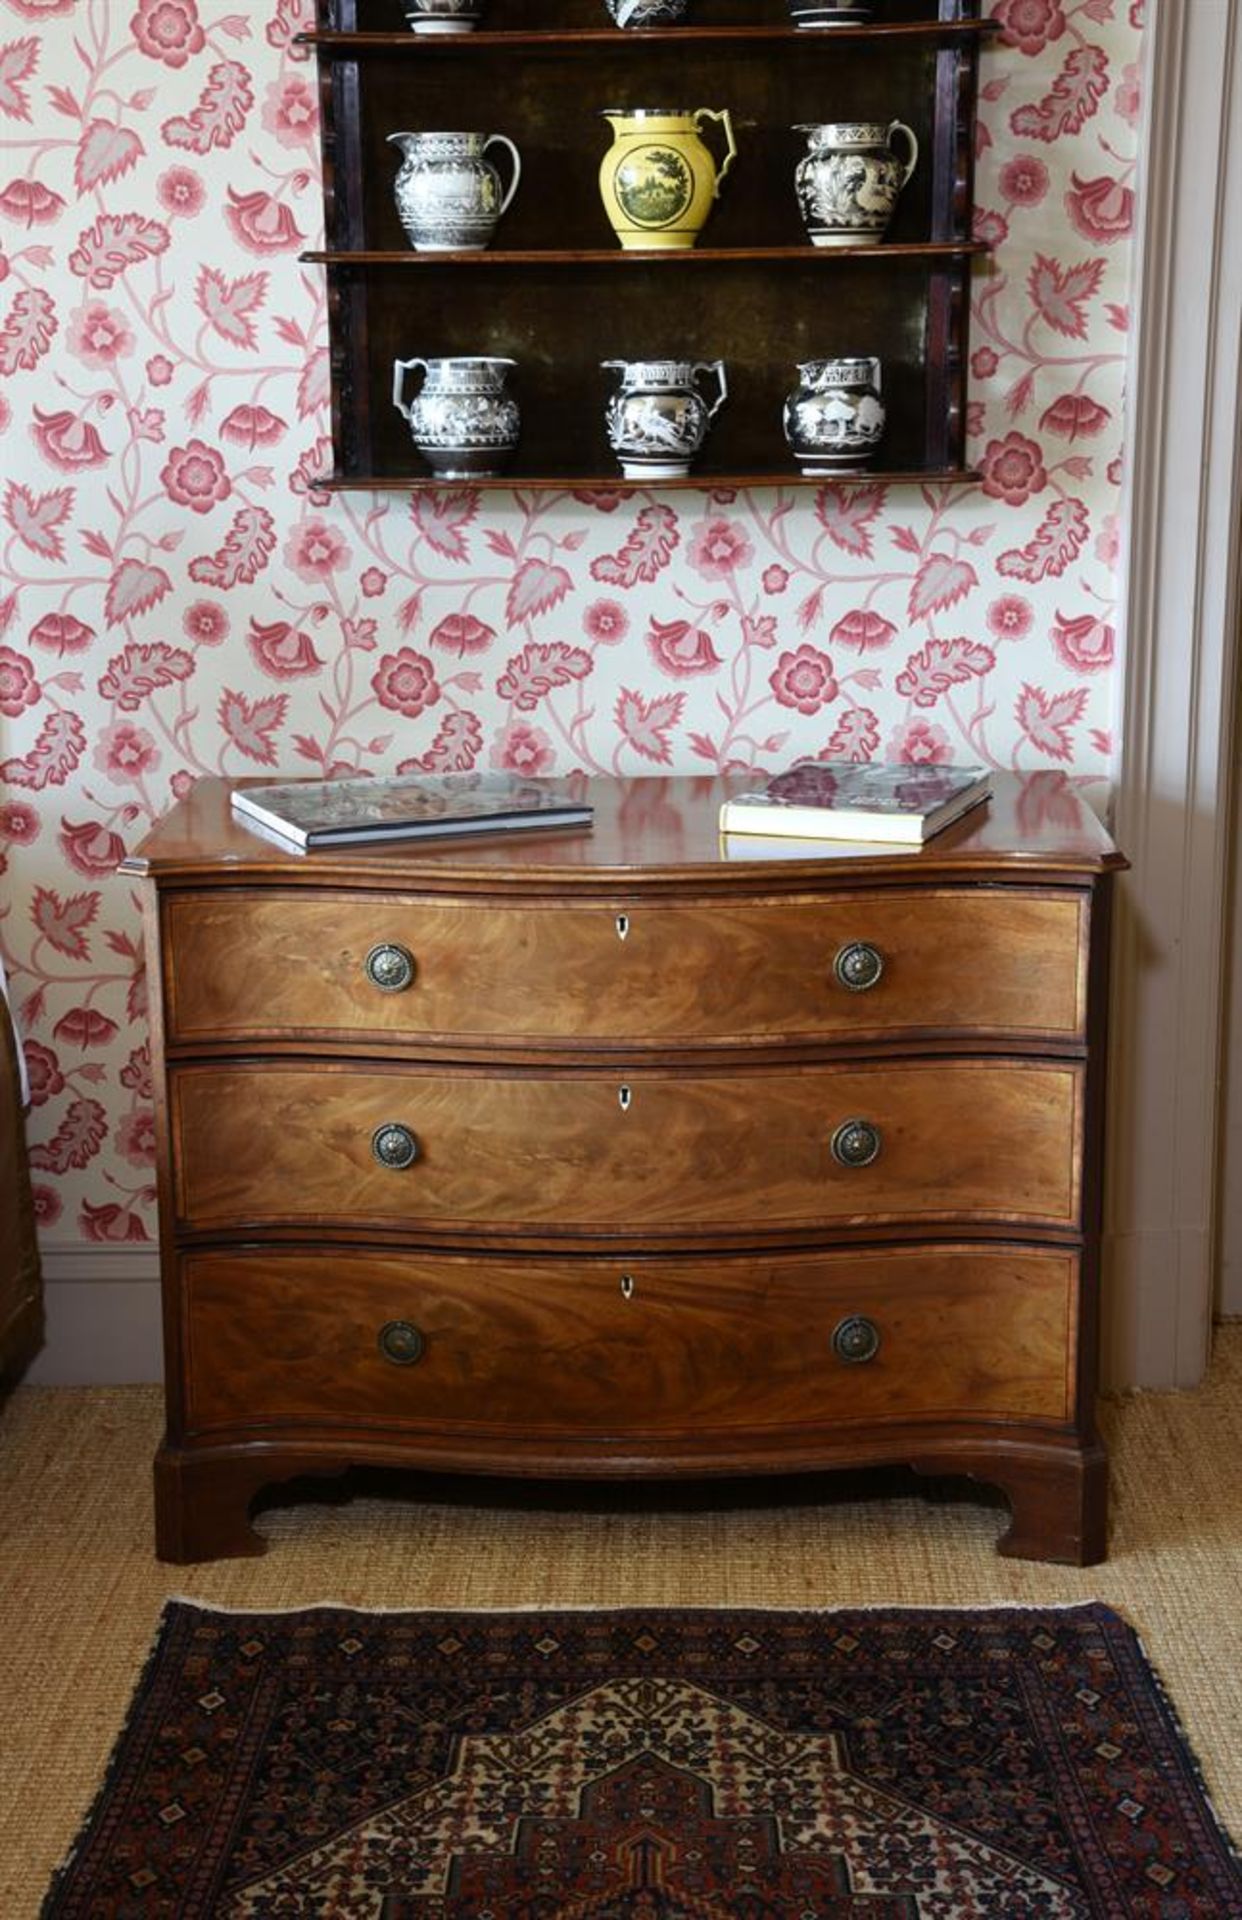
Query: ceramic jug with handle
{"points": [[849, 178], [443, 16], [658, 421], [658, 179], [835, 418], [647, 13], [448, 193], [463, 421]]}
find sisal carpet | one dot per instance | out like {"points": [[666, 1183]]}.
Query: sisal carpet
{"points": [[683, 1764], [80, 1593]]}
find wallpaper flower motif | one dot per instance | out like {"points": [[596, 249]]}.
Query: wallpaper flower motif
{"points": [[177, 599]]}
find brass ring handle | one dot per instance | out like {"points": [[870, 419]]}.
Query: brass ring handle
{"points": [[401, 1342], [855, 1143], [856, 1340], [389, 967], [394, 1145], [858, 965]]}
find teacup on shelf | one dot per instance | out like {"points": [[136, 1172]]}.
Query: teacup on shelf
{"points": [[443, 16]]}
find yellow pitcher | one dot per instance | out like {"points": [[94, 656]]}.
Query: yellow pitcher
{"points": [[658, 179]]}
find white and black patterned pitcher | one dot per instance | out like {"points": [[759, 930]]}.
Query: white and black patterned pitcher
{"points": [[449, 194], [849, 179], [659, 420]]}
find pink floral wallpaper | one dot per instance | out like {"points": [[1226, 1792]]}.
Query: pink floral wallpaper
{"points": [[176, 599]]}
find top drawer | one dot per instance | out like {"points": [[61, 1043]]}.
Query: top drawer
{"points": [[274, 963]]}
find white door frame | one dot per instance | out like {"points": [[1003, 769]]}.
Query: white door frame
{"points": [[1174, 779]]}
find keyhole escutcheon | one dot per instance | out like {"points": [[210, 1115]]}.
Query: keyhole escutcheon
{"points": [[624, 1096], [627, 1286], [623, 926]]}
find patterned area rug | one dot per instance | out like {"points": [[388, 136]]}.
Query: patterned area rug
{"points": [[650, 1765]]}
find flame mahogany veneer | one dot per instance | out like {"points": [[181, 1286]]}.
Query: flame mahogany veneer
{"points": [[630, 1241]]}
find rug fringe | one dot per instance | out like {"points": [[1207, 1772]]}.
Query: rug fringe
{"points": [[632, 1606], [137, 1700], [1188, 1752]]}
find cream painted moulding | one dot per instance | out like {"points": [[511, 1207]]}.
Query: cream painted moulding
{"points": [[102, 1317], [1175, 777]]}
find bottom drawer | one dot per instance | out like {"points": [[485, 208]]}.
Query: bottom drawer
{"points": [[601, 1348]]}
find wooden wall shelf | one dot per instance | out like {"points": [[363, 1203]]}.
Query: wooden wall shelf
{"points": [[671, 262], [556, 294], [590, 39], [702, 480]]}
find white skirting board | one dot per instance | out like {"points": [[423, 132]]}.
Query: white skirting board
{"points": [[102, 1313]]}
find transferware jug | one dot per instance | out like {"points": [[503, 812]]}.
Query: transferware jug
{"points": [[448, 192], [658, 179], [849, 178], [658, 421], [647, 13], [463, 421], [835, 418]]}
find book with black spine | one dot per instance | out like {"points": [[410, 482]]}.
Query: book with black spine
{"points": [[426, 806], [890, 804]]}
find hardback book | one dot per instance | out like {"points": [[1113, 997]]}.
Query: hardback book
{"points": [[849, 800], [425, 806], [787, 846]]}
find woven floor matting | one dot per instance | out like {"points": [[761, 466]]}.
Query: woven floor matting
{"points": [[682, 1764]]}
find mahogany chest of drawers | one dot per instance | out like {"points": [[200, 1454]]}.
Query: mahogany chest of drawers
{"points": [[626, 1153]]}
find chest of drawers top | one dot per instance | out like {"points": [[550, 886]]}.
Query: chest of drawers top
{"points": [[655, 835], [647, 933]]}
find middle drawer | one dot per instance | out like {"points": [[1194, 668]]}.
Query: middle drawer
{"points": [[268, 1144]]}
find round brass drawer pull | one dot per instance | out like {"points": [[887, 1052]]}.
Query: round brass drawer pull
{"points": [[858, 965], [856, 1340], [401, 1342], [855, 1143], [394, 1145], [389, 967]]}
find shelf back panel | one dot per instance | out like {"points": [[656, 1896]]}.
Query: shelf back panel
{"points": [[552, 109], [759, 322]]}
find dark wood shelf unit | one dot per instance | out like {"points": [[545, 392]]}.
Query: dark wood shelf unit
{"points": [[557, 295], [673, 262], [588, 39], [702, 480]]}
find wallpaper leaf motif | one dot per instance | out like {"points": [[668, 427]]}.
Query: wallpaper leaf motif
{"points": [[18, 60], [178, 598]]}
